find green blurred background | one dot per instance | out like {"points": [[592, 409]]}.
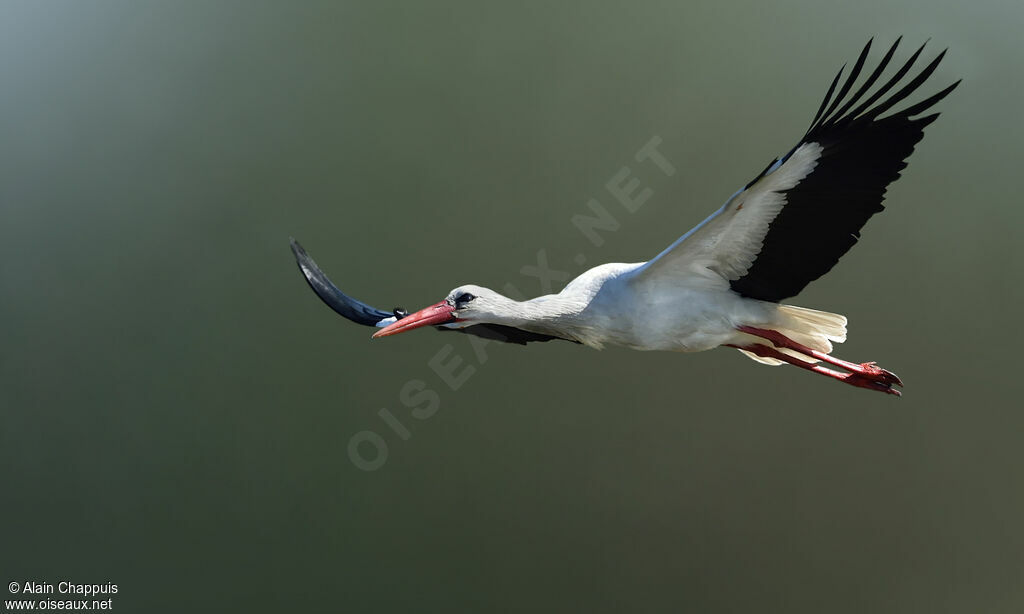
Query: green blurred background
{"points": [[177, 405]]}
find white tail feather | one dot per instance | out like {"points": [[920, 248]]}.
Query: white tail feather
{"points": [[815, 329], [764, 360]]}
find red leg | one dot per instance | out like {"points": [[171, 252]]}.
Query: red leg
{"points": [[865, 369], [864, 375], [854, 379]]}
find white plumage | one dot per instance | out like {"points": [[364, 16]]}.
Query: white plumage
{"points": [[721, 283]]}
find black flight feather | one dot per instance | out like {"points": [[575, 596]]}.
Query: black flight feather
{"points": [[343, 304], [861, 155], [361, 313]]}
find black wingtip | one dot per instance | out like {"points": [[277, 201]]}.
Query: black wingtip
{"points": [[331, 295], [854, 110], [300, 254], [827, 99]]}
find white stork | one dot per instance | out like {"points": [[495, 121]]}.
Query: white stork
{"points": [[720, 284]]}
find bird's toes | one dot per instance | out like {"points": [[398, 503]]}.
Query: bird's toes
{"points": [[873, 382], [872, 370]]}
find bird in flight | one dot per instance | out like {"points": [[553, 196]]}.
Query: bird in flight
{"points": [[721, 283]]}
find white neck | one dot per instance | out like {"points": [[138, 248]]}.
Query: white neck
{"points": [[572, 313], [548, 311]]}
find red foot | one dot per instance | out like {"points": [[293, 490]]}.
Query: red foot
{"points": [[881, 384], [864, 375], [873, 371]]}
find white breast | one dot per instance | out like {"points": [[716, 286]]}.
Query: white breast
{"points": [[694, 315]]}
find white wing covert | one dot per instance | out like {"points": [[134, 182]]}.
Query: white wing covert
{"points": [[792, 223]]}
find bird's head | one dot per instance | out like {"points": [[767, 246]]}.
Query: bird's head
{"points": [[464, 306]]}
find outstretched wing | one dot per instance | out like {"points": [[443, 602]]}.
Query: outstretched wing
{"points": [[343, 304], [361, 313], [792, 223]]}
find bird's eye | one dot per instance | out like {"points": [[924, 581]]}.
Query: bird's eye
{"points": [[463, 298]]}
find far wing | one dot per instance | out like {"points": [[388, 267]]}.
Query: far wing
{"points": [[343, 304], [361, 313]]}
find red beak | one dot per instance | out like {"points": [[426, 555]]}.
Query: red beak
{"points": [[439, 313]]}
